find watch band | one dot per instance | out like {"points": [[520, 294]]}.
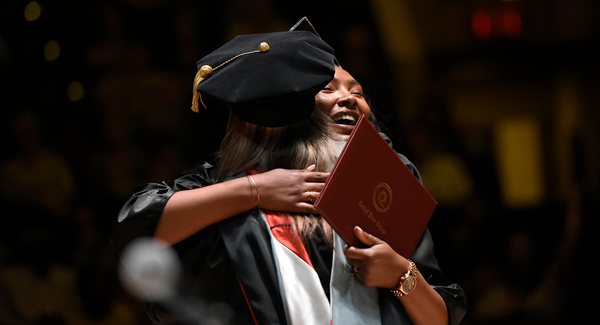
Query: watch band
{"points": [[412, 272]]}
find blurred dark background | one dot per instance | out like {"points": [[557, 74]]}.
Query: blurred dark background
{"points": [[495, 102]]}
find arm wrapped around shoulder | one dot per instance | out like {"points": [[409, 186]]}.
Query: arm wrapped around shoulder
{"points": [[140, 214]]}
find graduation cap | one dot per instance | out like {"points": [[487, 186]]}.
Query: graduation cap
{"points": [[267, 79]]}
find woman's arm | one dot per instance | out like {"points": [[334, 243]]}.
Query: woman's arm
{"points": [[380, 266], [188, 212]]}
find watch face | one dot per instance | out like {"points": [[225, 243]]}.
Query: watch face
{"points": [[409, 284]]}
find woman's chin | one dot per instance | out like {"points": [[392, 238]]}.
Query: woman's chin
{"points": [[342, 131]]}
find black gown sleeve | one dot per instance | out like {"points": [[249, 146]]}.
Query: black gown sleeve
{"points": [[140, 214], [204, 255]]}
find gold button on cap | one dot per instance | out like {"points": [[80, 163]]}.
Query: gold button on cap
{"points": [[263, 47], [205, 71]]}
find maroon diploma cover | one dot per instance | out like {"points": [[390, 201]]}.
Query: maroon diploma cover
{"points": [[370, 187]]}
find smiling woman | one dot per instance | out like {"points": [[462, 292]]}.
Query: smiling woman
{"points": [[344, 101]]}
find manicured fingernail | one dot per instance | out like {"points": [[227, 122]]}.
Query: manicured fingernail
{"points": [[310, 167]]}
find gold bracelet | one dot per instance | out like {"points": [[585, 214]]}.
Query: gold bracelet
{"points": [[256, 187]]}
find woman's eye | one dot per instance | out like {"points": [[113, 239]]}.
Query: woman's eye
{"points": [[359, 94], [327, 89]]}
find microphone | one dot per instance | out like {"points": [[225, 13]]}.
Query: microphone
{"points": [[151, 270]]}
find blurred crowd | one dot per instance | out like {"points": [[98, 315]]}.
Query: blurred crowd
{"points": [[67, 167]]}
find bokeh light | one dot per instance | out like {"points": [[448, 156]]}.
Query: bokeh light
{"points": [[75, 91], [481, 23], [51, 50], [32, 11], [511, 22]]}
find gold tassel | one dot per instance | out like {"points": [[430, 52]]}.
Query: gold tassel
{"points": [[206, 71], [196, 94]]}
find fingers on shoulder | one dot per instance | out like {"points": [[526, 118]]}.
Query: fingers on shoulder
{"points": [[316, 176], [304, 207]]}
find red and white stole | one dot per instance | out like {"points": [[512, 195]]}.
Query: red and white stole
{"points": [[302, 291], [306, 302]]}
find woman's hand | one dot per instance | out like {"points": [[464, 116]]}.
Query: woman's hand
{"points": [[290, 190], [378, 265]]}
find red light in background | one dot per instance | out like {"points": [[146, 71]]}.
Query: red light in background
{"points": [[481, 23], [496, 22], [511, 22]]}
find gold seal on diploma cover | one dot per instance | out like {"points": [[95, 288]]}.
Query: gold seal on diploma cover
{"points": [[382, 197]]}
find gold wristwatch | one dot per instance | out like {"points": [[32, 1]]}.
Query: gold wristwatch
{"points": [[408, 282]]}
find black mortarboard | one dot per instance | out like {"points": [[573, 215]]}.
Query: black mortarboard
{"points": [[267, 79]]}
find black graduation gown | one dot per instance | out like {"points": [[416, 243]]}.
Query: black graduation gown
{"points": [[231, 261]]}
